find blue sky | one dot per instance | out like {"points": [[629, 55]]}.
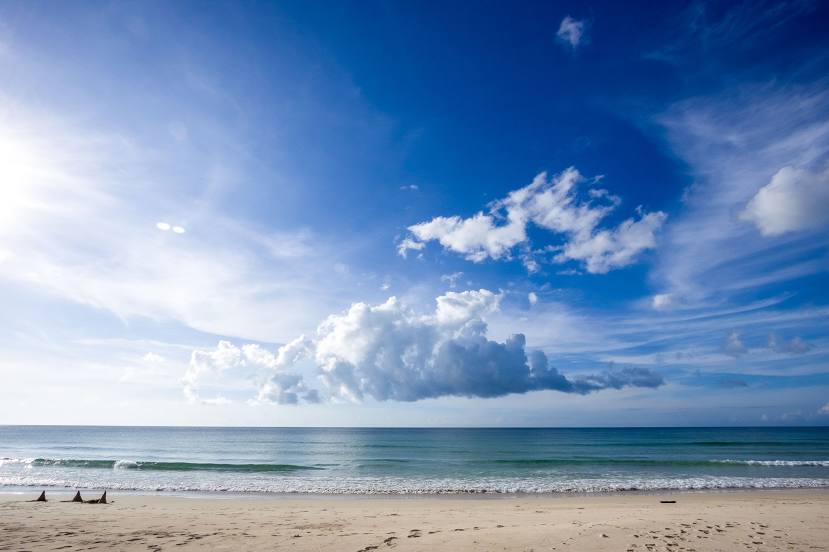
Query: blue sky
{"points": [[374, 213]]}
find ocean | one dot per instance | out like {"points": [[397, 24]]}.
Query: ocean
{"points": [[410, 461]]}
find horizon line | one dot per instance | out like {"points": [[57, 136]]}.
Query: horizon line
{"points": [[825, 426]]}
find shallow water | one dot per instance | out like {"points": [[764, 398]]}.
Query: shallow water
{"points": [[321, 460]]}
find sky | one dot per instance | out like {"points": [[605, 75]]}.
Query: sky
{"points": [[414, 214]]}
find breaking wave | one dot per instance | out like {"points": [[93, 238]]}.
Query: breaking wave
{"points": [[405, 486], [157, 466]]}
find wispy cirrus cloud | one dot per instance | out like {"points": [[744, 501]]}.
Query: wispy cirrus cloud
{"points": [[718, 30], [69, 208], [759, 163]]}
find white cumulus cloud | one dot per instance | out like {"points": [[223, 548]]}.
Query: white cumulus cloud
{"points": [[284, 387], [795, 199], [553, 204], [287, 388], [409, 244], [390, 352], [280, 387], [202, 363], [615, 248]]}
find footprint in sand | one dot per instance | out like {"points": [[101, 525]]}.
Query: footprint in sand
{"points": [[414, 533]]}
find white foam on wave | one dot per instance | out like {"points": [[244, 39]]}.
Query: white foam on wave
{"points": [[395, 486], [11, 461], [818, 463]]}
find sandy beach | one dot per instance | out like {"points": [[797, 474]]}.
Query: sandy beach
{"points": [[702, 521]]}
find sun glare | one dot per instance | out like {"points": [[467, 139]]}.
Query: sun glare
{"points": [[17, 180]]}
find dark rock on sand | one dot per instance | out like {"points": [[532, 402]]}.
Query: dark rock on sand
{"points": [[102, 500], [76, 498]]}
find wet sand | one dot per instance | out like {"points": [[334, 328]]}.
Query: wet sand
{"points": [[705, 521]]}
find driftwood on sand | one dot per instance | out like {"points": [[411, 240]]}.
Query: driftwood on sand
{"points": [[76, 498], [41, 498]]}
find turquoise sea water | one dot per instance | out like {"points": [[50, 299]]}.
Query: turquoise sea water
{"points": [[286, 460]]}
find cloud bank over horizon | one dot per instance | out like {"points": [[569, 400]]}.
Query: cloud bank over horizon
{"points": [[388, 352]]}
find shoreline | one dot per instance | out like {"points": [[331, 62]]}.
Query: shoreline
{"points": [[700, 521], [471, 495]]}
